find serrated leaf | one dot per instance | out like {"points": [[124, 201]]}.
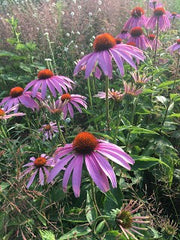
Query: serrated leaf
{"points": [[91, 212], [47, 235], [76, 232]]}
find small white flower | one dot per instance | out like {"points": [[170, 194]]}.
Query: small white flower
{"points": [[91, 44], [67, 34], [99, 9], [82, 53], [78, 33], [72, 32], [72, 14], [76, 46], [62, 12], [79, 7], [90, 14]]}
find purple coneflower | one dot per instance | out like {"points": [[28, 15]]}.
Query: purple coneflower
{"points": [[41, 165], [140, 79], [152, 41], [175, 47], [48, 130], [46, 79], [54, 107], [70, 101], [5, 114], [174, 16], [126, 220], [105, 48], [139, 38], [123, 34], [19, 96], [159, 17], [115, 95], [137, 18], [154, 4], [131, 89], [94, 152]]}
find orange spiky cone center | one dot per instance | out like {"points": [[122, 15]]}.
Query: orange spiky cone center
{"points": [[85, 143], [174, 14], [47, 127], [151, 36], [103, 42], [40, 161], [159, 11], [178, 41], [65, 96], [136, 32], [132, 44], [118, 40], [45, 74], [16, 92], [137, 12], [2, 112]]}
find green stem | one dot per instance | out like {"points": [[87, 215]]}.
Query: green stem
{"points": [[157, 36], [177, 70], [107, 104], [61, 136], [89, 91]]}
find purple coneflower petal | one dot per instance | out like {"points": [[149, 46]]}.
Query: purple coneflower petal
{"points": [[96, 173], [76, 176], [41, 177], [31, 179], [106, 167], [91, 64], [58, 167]]}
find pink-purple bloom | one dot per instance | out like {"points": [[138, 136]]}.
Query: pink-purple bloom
{"points": [[140, 79], [94, 152], [137, 19], [160, 17], [152, 40], [19, 96], [131, 89], [47, 80], [154, 4], [48, 130], [123, 34], [115, 95], [106, 49], [5, 114], [139, 38], [39, 165], [71, 100], [174, 15], [175, 47]]}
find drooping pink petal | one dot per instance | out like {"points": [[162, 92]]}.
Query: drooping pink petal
{"points": [[106, 167], [58, 167], [76, 176], [96, 173], [31, 179]]}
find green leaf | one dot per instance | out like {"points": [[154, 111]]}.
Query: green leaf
{"points": [[7, 54], [174, 115], [47, 235], [145, 162], [76, 232], [91, 212], [138, 130], [162, 100], [167, 83], [42, 220]]}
